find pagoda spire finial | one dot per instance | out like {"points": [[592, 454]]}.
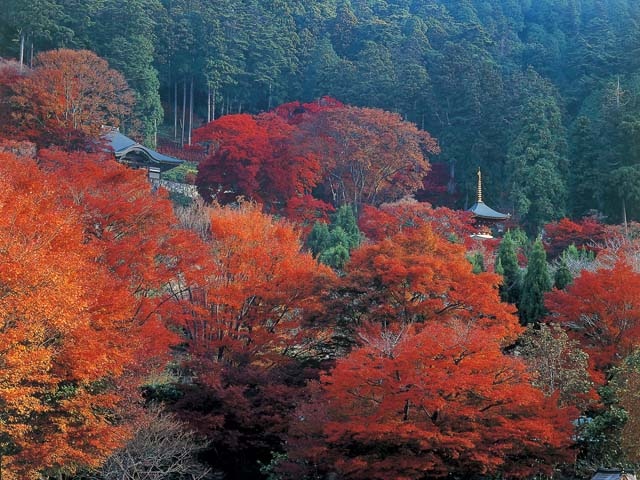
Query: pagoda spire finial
{"points": [[479, 186]]}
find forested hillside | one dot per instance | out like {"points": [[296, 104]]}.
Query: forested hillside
{"points": [[543, 95], [326, 308]]}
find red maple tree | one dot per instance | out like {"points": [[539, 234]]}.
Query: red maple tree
{"points": [[252, 156], [601, 310], [427, 391], [586, 233], [338, 154]]}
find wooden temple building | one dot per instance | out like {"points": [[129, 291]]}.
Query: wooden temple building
{"points": [[135, 155], [485, 216]]}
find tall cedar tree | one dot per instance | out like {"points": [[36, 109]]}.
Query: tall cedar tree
{"points": [[332, 244], [507, 265], [536, 283], [428, 390]]}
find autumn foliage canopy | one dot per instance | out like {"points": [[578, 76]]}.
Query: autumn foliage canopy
{"points": [[88, 260], [427, 390], [64, 100], [339, 154], [395, 367]]}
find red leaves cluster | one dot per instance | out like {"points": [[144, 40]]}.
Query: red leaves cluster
{"points": [[601, 310], [584, 233], [339, 154], [392, 218], [443, 400]]}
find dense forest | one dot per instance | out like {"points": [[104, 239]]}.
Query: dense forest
{"points": [[324, 309], [545, 91]]}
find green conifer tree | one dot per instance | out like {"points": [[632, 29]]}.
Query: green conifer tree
{"points": [[477, 262], [507, 265], [536, 283], [345, 218], [562, 276], [331, 244]]}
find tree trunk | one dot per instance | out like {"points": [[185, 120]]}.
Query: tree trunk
{"points": [[190, 110], [208, 103], [184, 110], [213, 105], [624, 218], [22, 39], [175, 112], [31, 58]]}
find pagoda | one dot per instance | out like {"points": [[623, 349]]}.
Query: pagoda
{"points": [[484, 215]]}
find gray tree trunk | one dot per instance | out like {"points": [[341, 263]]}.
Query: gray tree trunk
{"points": [[184, 110], [22, 39], [190, 110], [213, 105], [175, 112]]}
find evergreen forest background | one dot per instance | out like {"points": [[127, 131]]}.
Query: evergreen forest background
{"points": [[542, 95]]}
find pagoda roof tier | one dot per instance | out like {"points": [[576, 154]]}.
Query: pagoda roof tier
{"points": [[482, 210]]}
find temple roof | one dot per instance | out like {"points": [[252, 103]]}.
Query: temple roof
{"points": [[123, 145], [482, 210]]}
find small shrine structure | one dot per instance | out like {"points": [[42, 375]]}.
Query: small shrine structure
{"points": [[485, 216]]}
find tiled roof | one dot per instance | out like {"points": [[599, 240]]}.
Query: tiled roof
{"points": [[121, 145], [481, 210], [612, 474]]}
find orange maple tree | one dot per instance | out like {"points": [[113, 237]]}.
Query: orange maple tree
{"points": [[136, 231], [90, 259], [252, 331], [66, 98], [63, 339], [257, 290], [427, 391]]}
